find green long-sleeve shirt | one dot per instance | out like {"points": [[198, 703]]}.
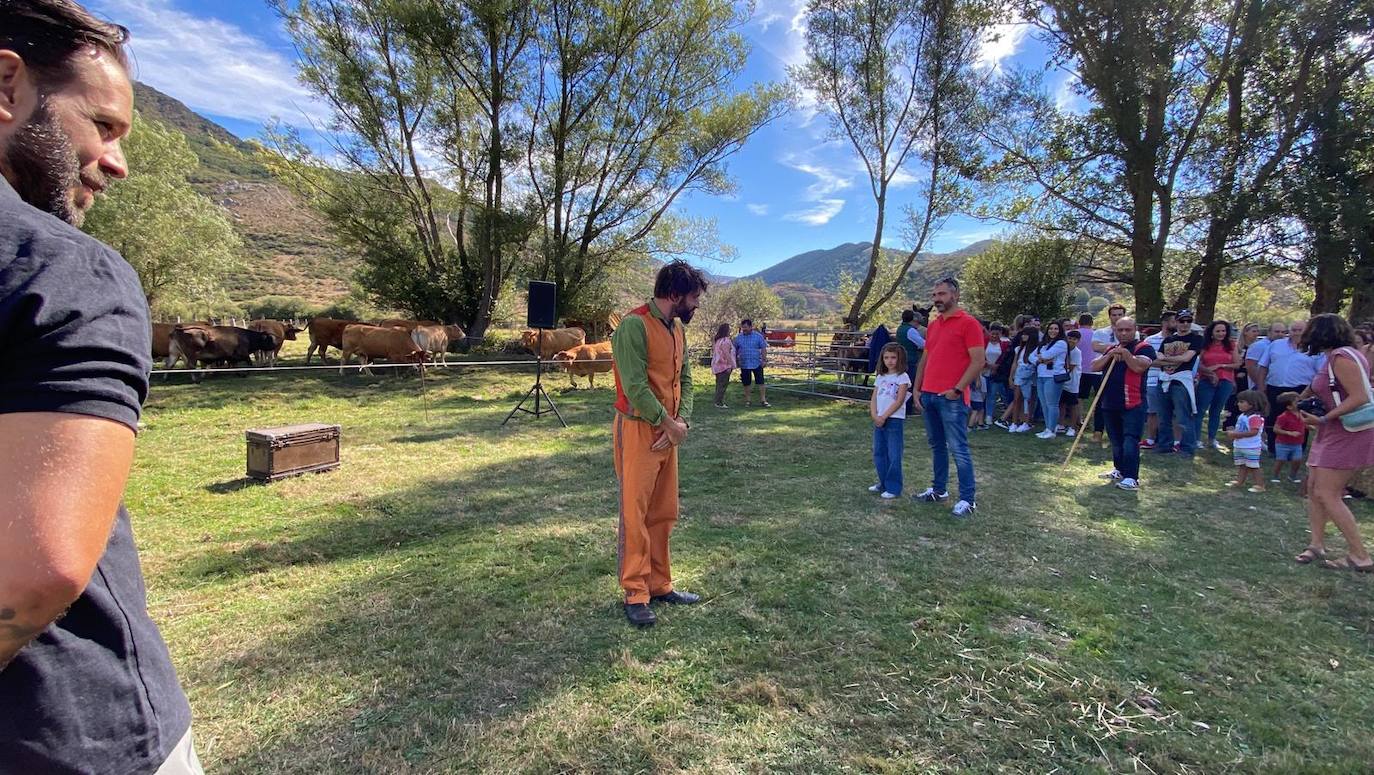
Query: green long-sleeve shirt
{"points": [[630, 348]]}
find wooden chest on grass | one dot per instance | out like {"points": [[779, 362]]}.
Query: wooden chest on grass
{"points": [[276, 453]]}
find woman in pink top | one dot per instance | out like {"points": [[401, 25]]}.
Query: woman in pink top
{"points": [[722, 362], [1337, 454], [1216, 379]]}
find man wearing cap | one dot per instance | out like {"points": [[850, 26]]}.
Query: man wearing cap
{"points": [[1176, 360]]}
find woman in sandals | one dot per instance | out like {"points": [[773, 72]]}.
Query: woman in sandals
{"points": [[1337, 454]]}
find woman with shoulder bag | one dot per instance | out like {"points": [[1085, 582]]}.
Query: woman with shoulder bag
{"points": [[1051, 374], [1344, 441]]}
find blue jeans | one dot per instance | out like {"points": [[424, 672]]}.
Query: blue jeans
{"points": [[887, 454], [1049, 391], [1176, 406], [997, 390], [1211, 398], [1123, 428], [947, 432]]}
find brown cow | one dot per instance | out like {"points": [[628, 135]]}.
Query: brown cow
{"points": [[372, 342], [324, 334], [586, 360], [162, 339], [280, 331], [848, 356], [555, 340], [456, 335]]}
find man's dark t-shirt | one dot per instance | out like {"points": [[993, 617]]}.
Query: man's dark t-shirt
{"points": [[95, 692], [1173, 345]]}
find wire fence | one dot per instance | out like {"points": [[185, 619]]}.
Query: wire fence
{"points": [[826, 363]]}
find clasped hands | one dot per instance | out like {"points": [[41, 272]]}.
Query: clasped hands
{"points": [[670, 434]]}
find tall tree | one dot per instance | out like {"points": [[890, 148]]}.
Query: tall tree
{"points": [[633, 104], [403, 78], [896, 78], [1111, 174], [1330, 190], [1289, 54], [181, 243], [480, 49]]}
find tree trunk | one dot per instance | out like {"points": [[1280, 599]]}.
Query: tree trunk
{"points": [[853, 319], [1331, 276]]}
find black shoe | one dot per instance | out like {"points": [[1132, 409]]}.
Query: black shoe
{"points": [[639, 614], [676, 598]]}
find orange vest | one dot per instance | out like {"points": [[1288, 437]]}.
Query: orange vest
{"points": [[666, 348]]}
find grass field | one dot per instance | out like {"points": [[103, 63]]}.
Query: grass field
{"points": [[446, 602]]}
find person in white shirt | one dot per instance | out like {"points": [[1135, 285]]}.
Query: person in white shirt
{"points": [[1069, 402], [1050, 358], [1103, 339], [887, 409]]}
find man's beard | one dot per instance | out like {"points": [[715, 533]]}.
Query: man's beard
{"points": [[44, 169], [684, 313]]}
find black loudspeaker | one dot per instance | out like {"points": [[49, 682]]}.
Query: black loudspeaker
{"points": [[543, 301]]}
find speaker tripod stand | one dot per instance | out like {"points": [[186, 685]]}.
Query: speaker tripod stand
{"points": [[537, 391]]}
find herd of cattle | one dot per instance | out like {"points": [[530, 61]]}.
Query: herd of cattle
{"points": [[395, 340]]}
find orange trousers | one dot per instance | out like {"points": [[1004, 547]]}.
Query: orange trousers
{"points": [[648, 509]]}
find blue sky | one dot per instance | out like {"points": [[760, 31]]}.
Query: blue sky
{"points": [[797, 188]]}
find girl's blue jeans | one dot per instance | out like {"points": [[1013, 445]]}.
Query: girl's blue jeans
{"points": [[887, 454]]}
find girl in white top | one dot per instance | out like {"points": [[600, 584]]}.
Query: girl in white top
{"points": [[887, 408], [1070, 409], [1050, 359]]}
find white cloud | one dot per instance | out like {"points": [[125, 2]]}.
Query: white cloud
{"points": [[828, 181], [819, 215], [757, 209], [212, 66], [1001, 42]]}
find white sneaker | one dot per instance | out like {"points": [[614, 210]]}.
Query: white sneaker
{"points": [[1218, 446], [1129, 485], [964, 509], [887, 496], [1045, 434], [1070, 433], [1112, 474], [930, 496], [1058, 429], [876, 488], [1022, 428]]}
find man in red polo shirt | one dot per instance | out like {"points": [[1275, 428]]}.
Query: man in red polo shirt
{"points": [[954, 357]]}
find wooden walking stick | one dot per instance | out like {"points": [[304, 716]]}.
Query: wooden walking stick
{"points": [[1088, 418]]}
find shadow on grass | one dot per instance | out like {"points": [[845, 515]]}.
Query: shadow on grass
{"points": [[233, 485], [501, 494]]}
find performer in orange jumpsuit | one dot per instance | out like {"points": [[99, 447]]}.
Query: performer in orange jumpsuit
{"points": [[653, 403]]}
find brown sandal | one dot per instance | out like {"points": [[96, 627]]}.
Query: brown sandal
{"points": [[1309, 555], [1348, 563]]}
